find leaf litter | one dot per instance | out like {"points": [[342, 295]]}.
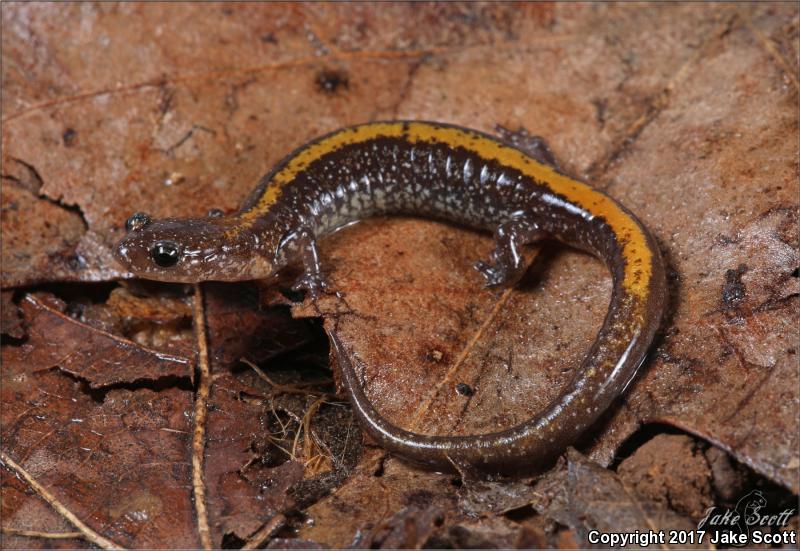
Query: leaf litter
{"points": [[99, 392]]}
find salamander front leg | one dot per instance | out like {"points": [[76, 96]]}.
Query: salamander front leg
{"points": [[301, 245], [506, 265]]}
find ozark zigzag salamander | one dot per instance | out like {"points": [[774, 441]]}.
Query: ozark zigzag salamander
{"points": [[444, 172]]}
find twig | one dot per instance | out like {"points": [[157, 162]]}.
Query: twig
{"points": [[45, 535], [769, 45], [200, 415], [265, 532], [285, 389], [284, 426], [275, 442], [346, 441], [305, 428], [309, 442], [85, 532]]}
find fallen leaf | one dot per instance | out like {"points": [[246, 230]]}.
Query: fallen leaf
{"points": [[25, 512], [409, 528], [120, 462], [586, 497], [99, 358]]}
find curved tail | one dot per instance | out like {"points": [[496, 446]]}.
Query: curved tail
{"points": [[612, 362]]}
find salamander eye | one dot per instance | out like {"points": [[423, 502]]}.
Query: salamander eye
{"points": [[165, 253], [215, 213], [137, 221]]}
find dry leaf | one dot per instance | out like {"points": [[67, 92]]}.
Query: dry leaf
{"points": [[587, 497], [91, 355]]}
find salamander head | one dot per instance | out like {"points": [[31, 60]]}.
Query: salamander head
{"points": [[190, 250]]}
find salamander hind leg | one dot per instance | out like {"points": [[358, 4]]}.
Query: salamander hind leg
{"points": [[506, 266], [533, 146], [301, 245]]}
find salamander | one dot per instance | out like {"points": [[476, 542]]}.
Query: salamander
{"points": [[439, 171]]}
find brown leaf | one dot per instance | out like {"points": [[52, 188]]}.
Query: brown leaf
{"points": [[120, 463], [202, 113], [479, 496], [469, 335], [244, 490], [247, 476], [499, 532], [376, 490], [726, 368], [159, 320], [99, 358], [39, 238], [586, 497], [23, 511], [207, 128], [409, 528]]}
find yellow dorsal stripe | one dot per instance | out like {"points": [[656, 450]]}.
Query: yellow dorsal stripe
{"points": [[635, 249]]}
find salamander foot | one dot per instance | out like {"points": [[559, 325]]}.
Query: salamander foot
{"points": [[534, 146], [506, 266], [313, 282]]}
